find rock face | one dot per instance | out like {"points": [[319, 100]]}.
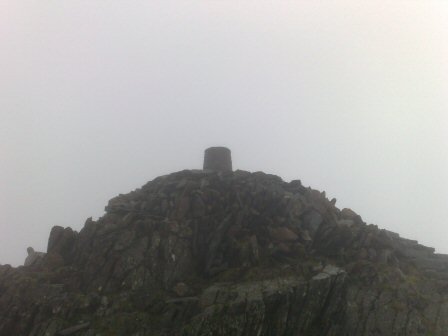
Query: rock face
{"points": [[200, 253]]}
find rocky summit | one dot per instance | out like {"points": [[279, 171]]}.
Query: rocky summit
{"points": [[204, 252]]}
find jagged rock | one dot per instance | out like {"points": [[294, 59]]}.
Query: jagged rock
{"points": [[283, 234], [33, 257], [349, 214], [61, 241], [199, 253], [327, 272]]}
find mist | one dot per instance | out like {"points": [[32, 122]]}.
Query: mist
{"points": [[99, 97]]}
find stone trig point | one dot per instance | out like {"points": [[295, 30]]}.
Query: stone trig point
{"points": [[218, 159]]}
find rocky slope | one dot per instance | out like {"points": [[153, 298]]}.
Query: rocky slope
{"points": [[228, 253]]}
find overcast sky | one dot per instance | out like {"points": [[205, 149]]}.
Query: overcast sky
{"points": [[99, 97]]}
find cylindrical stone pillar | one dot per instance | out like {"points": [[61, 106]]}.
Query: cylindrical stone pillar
{"points": [[218, 159]]}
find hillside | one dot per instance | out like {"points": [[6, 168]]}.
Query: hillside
{"points": [[202, 252]]}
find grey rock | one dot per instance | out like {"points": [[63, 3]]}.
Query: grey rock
{"points": [[312, 221], [73, 329], [33, 257], [329, 271], [346, 222], [227, 253]]}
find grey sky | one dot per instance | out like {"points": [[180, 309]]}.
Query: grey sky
{"points": [[99, 97]]}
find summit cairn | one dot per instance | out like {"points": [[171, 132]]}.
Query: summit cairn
{"points": [[218, 159]]}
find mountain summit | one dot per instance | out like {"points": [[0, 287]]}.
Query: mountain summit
{"points": [[222, 252]]}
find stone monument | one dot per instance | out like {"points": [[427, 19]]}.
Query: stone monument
{"points": [[218, 159]]}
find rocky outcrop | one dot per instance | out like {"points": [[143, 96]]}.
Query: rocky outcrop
{"points": [[33, 257], [226, 253]]}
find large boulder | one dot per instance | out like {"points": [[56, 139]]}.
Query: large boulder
{"points": [[61, 242]]}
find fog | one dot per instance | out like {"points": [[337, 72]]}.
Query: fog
{"points": [[99, 97]]}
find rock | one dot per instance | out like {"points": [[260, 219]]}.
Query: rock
{"points": [[332, 270], [61, 241], [351, 215], [181, 289], [283, 234], [347, 213], [183, 207], [346, 222], [261, 256], [299, 250], [386, 256], [283, 249], [33, 257], [199, 209], [363, 254], [254, 248], [104, 301], [372, 253], [74, 329], [329, 271], [312, 221], [305, 236]]}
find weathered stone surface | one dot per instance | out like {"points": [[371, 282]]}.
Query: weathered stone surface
{"points": [[283, 234], [61, 242], [226, 253], [33, 257]]}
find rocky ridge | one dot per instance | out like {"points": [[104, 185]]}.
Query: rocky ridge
{"points": [[226, 253]]}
